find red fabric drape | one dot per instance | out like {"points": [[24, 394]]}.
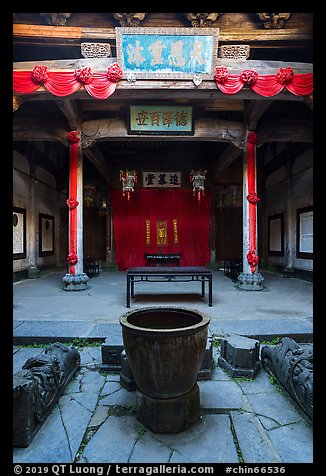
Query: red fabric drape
{"points": [[64, 83], [102, 85], [129, 222], [264, 85]]}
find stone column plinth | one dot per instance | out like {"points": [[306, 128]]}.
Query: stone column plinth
{"points": [[75, 282]]}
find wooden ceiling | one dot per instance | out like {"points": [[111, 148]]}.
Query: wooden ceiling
{"points": [[35, 40]]}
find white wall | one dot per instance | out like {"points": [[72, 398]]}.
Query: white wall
{"points": [[286, 196], [46, 201]]}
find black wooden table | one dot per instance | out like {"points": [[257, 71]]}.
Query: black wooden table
{"points": [[170, 274], [163, 259]]}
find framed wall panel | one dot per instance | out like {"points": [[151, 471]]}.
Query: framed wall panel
{"points": [[19, 233], [46, 233], [305, 233], [276, 235]]}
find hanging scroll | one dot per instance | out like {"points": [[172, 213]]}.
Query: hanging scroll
{"points": [[148, 233], [161, 233]]}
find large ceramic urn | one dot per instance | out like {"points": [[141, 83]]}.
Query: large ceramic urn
{"points": [[165, 347]]}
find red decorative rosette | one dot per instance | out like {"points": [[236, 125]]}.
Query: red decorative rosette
{"points": [[72, 258], [284, 75], [221, 75], [72, 203], [84, 75], [40, 74], [252, 137], [252, 259], [73, 138], [252, 197], [249, 76], [114, 73]]}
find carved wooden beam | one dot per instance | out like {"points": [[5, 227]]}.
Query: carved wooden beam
{"points": [[274, 20], [206, 129], [202, 19], [38, 34], [29, 130], [129, 19], [97, 159], [70, 110], [253, 110], [225, 160], [295, 130], [102, 64], [56, 19]]}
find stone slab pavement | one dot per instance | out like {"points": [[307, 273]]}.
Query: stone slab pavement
{"points": [[94, 421], [43, 311]]}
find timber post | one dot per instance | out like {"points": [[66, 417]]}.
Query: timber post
{"points": [[75, 279], [250, 279]]}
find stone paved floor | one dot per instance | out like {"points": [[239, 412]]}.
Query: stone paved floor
{"points": [[95, 422]]}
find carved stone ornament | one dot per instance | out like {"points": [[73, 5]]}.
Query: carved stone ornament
{"points": [[87, 141], [129, 19], [197, 79], [37, 388], [274, 20], [17, 102], [292, 365], [202, 19], [56, 19], [131, 77], [95, 50], [236, 52]]}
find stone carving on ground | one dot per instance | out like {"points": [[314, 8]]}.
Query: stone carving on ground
{"points": [[292, 365], [37, 388]]}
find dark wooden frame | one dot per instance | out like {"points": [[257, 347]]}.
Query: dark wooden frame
{"points": [[132, 131], [50, 218], [21, 211], [299, 253], [271, 252]]}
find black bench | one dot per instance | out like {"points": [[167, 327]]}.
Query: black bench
{"points": [[91, 267], [232, 268], [170, 274]]}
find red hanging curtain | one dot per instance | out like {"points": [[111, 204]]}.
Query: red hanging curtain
{"points": [[192, 226]]}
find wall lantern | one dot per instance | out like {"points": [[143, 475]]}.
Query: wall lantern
{"points": [[128, 180], [103, 210], [89, 194], [197, 177]]}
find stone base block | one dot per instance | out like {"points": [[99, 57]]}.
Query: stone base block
{"points": [[126, 376], [250, 281], [237, 371], [205, 371], [239, 356], [111, 354], [115, 360], [75, 282], [33, 272], [169, 415]]}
